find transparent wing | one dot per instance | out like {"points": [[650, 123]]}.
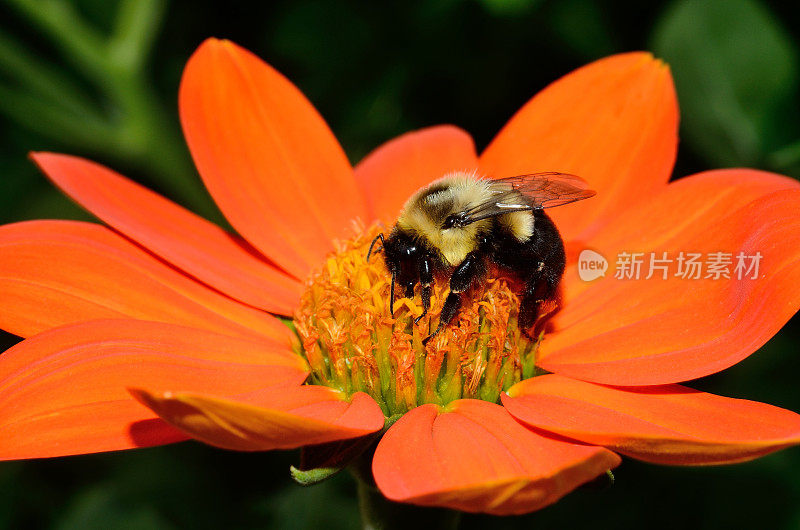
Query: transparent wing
{"points": [[545, 190], [529, 192]]}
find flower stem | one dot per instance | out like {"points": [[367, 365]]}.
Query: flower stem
{"points": [[379, 513]]}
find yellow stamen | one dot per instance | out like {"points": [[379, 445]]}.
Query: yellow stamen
{"points": [[353, 344]]}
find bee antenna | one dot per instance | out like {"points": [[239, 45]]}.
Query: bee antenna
{"points": [[383, 242]]}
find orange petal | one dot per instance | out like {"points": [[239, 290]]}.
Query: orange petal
{"points": [[175, 234], [474, 457], [395, 170], [64, 391], [277, 418], [60, 272], [613, 122], [658, 331], [668, 424], [267, 157]]}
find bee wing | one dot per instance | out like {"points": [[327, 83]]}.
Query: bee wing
{"points": [[539, 191], [545, 190]]}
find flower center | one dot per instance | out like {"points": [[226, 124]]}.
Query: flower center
{"points": [[353, 344]]}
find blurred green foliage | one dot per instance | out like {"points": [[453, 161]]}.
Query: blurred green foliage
{"points": [[99, 78], [95, 95], [735, 69]]}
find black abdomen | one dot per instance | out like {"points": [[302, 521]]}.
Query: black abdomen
{"points": [[523, 258]]}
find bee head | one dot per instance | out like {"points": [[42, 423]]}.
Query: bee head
{"points": [[402, 253]]}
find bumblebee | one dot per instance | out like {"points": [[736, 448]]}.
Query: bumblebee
{"points": [[460, 227]]}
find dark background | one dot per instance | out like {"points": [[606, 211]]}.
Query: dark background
{"points": [[99, 78]]}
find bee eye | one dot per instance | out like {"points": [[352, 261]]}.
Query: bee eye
{"points": [[450, 222]]}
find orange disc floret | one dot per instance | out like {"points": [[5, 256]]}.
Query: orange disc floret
{"points": [[353, 343]]}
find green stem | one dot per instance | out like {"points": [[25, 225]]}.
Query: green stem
{"points": [[137, 26], [50, 120], [37, 77], [379, 513], [78, 41]]}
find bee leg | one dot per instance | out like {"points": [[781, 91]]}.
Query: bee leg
{"points": [[529, 314], [391, 296], [542, 286], [449, 310], [426, 284], [426, 302], [470, 270]]}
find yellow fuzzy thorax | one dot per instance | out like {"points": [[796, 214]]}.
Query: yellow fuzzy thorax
{"points": [[425, 212]]}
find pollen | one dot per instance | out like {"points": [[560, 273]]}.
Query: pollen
{"points": [[352, 342]]}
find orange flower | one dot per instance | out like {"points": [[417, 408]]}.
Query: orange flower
{"points": [[179, 311]]}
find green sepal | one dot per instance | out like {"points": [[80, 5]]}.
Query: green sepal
{"points": [[320, 462], [312, 476]]}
